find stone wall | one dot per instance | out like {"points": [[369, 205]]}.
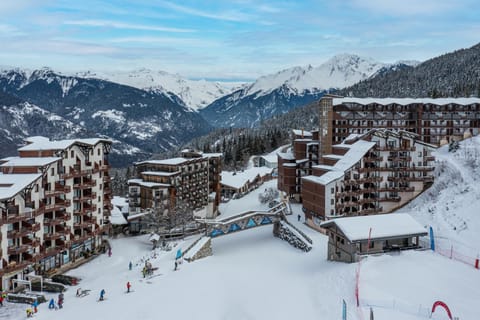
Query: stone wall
{"points": [[284, 232], [204, 251]]}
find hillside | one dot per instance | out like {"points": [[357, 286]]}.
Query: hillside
{"points": [[150, 121], [288, 89], [455, 74]]}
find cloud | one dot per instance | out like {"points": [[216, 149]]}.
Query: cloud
{"points": [[227, 16], [10, 31], [122, 25], [198, 42], [407, 7]]}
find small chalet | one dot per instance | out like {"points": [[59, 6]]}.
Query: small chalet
{"points": [[351, 237]]}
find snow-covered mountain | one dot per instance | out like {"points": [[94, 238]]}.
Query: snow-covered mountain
{"points": [[195, 94], [151, 121], [281, 92]]}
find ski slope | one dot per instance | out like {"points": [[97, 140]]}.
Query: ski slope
{"points": [[253, 275]]}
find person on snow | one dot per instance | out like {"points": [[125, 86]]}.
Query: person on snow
{"points": [[51, 305], [29, 312], [130, 266], [109, 252], [128, 286], [298, 217], [79, 292], [35, 305], [176, 265], [60, 300], [102, 294], [1, 301]]}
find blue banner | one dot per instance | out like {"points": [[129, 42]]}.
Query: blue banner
{"points": [[344, 310], [432, 241], [179, 254]]}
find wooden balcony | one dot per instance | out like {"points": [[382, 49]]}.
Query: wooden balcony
{"points": [[396, 149], [399, 158], [421, 179], [52, 222], [52, 236], [18, 249], [428, 158], [389, 199]]}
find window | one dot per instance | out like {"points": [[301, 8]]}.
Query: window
{"points": [[332, 201], [332, 190], [52, 171], [372, 244], [72, 154], [98, 151]]}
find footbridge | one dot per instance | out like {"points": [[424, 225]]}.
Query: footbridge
{"points": [[276, 216]]}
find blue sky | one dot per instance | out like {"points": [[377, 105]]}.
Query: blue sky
{"points": [[239, 39]]}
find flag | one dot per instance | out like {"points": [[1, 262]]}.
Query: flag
{"points": [[432, 241], [179, 254], [344, 310]]}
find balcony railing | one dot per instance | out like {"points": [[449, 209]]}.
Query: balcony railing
{"points": [[18, 249]]}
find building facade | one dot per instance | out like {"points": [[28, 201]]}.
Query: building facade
{"points": [[351, 238], [193, 178], [55, 203], [436, 121], [373, 173], [297, 162]]}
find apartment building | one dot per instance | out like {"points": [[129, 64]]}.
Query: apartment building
{"points": [[436, 121], [193, 178], [297, 162], [371, 173], [55, 204]]}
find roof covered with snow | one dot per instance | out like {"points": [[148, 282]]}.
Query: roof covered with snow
{"points": [[303, 133], [241, 178], [169, 162], [406, 101], [160, 173], [11, 184], [147, 184], [27, 161], [286, 155], [392, 225], [43, 143], [355, 153], [117, 217]]}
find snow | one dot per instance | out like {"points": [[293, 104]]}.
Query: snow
{"points": [[42, 143], [355, 153], [159, 173], [302, 133], [147, 184], [27, 162], [339, 72], [171, 161], [406, 101], [117, 217], [253, 275], [113, 115], [196, 94], [193, 250], [11, 184], [381, 226], [239, 179]]}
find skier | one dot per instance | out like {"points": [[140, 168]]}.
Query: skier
{"points": [[298, 217], [60, 300], [109, 252], [1, 301], [35, 306], [128, 286], [79, 292], [130, 266], [51, 305], [102, 294], [29, 312], [144, 271], [176, 265]]}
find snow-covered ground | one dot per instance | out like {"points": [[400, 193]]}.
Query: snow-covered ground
{"points": [[253, 275]]}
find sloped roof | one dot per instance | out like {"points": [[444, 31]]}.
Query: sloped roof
{"points": [[382, 226]]}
